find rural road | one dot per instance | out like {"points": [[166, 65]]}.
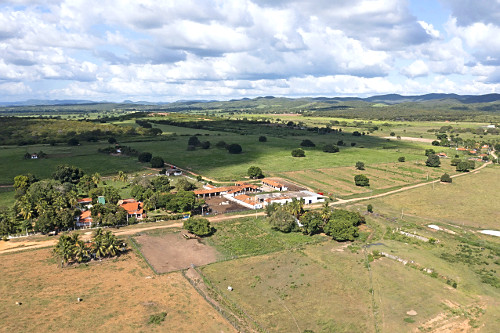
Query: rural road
{"points": [[8, 247]]}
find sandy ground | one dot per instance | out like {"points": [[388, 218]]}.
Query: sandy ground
{"points": [[172, 252], [409, 138], [118, 295]]}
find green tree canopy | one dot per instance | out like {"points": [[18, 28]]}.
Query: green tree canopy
{"points": [[433, 161], [198, 226], [282, 220], [255, 172], [68, 174], [298, 152], [361, 180], [157, 162]]}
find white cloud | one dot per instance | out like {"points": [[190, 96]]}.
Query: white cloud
{"points": [[416, 69]]}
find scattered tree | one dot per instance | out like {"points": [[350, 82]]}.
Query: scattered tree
{"points": [[369, 208], [433, 161], [194, 141], [157, 162], [361, 180], [198, 226], [234, 148], [262, 138], [298, 152], [445, 178], [401, 159], [462, 166], [360, 165], [329, 148], [145, 157], [255, 172], [307, 143], [429, 151]]}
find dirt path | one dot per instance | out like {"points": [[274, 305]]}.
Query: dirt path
{"points": [[410, 138], [7, 247]]}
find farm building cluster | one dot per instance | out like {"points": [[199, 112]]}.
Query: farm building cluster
{"points": [[256, 197]]}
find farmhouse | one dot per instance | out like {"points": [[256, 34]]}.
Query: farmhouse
{"points": [[274, 184], [133, 208], [173, 172], [282, 198], [84, 203], [212, 191], [84, 220]]}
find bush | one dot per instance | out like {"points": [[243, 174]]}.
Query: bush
{"points": [[360, 165], [198, 226], [429, 152], [369, 208], [401, 159], [221, 144], [298, 152], [353, 144], [307, 143], [329, 148], [205, 145], [73, 142], [446, 178], [435, 143], [340, 143], [262, 138], [433, 161], [356, 133], [111, 140], [193, 141], [157, 162], [157, 318], [462, 166], [392, 134], [455, 161], [145, 157], [361, 180], [234, 148], [472, 164], [255, 172]]}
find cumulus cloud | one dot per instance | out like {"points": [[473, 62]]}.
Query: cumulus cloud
{"points": [[182, 49]]}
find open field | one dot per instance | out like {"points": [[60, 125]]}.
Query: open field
{"points": [[340, 181], [118, 295], [469, 200], [84, 156]]}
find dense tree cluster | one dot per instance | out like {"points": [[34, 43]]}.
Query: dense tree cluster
{"points": [[340, 224], [71, 249]]}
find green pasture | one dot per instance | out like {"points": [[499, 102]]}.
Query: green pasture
{"points": [[12, 162]]}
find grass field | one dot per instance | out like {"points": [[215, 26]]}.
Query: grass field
{"points": [[118, 295], [85, 156], [470, 200], [340, 181]]}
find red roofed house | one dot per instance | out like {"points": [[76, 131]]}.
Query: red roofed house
{"points": [[84, 220], [274, 184], [442, 155], [133, 208]]}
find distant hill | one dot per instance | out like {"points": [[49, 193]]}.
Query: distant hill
{"points": [[387, 99]]}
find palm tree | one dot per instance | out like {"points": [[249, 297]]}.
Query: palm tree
{"points": [[325, 211], [111, 244], [81, 251], [96, 178], [26, 208], [122, 176], [99, 247], [65, 248]]}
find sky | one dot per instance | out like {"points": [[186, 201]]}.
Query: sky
{"points": [[163, 51]]}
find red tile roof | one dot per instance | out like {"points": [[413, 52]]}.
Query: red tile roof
{"points": [[133, 207], [86, 215], [272, 183], [84, 200]]}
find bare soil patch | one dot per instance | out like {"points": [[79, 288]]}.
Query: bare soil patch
{"points": [[220, 205], [410, 138], [172, 252]]}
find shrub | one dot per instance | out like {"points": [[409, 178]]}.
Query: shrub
{"points": [[356, 133], [455, 161], [392, 134], [435, 143], [446, 178], [340, 143], [369, 208], [329, 148], [472, 164], [361, 180], [255, 172], [111, 140], [234, 148], [298, 152], [145, 157], [307, 143], [157, 162], [262, 138], [360, 165], [401, 159], [353, 144], [157, 318]]}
